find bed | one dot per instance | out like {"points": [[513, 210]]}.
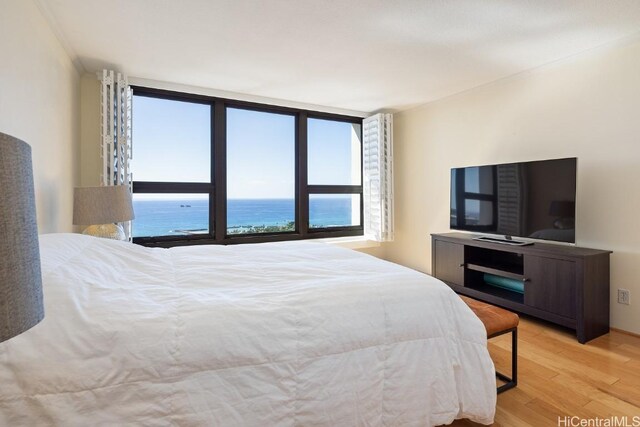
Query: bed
{"points": [[273, 334]]}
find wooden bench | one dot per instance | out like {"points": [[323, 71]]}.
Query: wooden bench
{"points": [[498, 321]]}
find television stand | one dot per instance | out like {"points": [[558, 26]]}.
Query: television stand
{"points": [[566, 285], [506, 241]]}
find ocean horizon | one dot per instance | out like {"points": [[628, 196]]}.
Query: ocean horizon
{"points": [[172, 217]]}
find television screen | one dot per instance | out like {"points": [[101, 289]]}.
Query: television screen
{"points": [[529, 199]]}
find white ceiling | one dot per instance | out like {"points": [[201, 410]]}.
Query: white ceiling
{"points": [[362, 55]]}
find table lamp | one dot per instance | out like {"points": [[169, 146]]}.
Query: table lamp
{"points": [[21, 304], [101, 208]]}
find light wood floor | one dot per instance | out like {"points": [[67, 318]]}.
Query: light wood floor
{"points": [[557, 376]]}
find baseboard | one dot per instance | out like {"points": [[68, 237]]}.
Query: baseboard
{"points": [[622, 331]]}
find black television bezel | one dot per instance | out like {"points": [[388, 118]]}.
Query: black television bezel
{"points": [[482, 230]]}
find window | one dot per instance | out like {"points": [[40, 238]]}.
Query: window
{"points": [[211, 170], [334, 153], [260, 172], [334, 210], [172, 140], [170, 214], [334, 159]]}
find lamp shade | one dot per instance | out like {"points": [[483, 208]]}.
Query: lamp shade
{"points": [[102, 205], [21, 305]]}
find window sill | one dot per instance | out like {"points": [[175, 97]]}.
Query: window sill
{"points": [[351, 242]]}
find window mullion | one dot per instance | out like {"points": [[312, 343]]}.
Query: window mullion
{"points": [[170, 187], [218, 215], [335, 189], [302, 190], [212, 191]]}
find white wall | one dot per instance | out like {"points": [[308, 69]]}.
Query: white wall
{"points": [[587, 106], [39, 103]]}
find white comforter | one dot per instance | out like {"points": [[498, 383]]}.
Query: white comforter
{"points": [[276, 334]]}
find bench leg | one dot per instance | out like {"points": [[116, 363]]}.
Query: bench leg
{"points": [[513, 381]]}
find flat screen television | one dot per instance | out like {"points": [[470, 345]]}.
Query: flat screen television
{"points": [[534, 200]]}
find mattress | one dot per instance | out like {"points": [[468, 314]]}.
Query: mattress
{"points": [[272, 334]]}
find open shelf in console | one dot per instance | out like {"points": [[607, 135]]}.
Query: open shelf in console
{"points": [[492, 261], [498, 292], [495, 271], [482, 264], [475, 280]]}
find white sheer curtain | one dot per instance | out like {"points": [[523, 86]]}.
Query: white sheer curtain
{"points": [[377, 134], [116, 132]]}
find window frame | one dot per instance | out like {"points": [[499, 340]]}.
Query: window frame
{"points": [[217, 187]]}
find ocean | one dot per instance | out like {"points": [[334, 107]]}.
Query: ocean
{"points": [[191, 216]]}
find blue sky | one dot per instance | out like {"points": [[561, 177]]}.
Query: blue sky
{"points": [[171, 142]]}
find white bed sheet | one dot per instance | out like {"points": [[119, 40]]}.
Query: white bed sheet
{"points": [[276, 334]]}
